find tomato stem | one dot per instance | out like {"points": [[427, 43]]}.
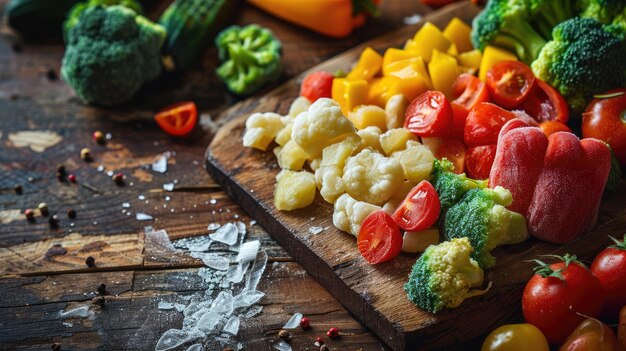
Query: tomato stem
{"points": [[620, 245], [544, 270]]}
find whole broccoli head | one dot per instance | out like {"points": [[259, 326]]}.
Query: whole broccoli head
{"points": [[481, 217], [111, 52], [584, 58], [251, 57], [603, 11], [75, 12], [507, 23], [451, 186], [443, 277]]}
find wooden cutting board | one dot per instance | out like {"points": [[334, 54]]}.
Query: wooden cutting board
{"points": [[375, 294]]}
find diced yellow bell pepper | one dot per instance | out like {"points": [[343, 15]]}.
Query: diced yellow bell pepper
{"points": [[369, 115], [470, 59], [459, 33], [427, 39], [349, 93], [413, 76], [491, 56], [382, 89], [394, 55], [368, 66], [443, 70], [452, 50]]}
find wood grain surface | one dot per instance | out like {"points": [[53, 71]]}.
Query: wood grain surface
{"points": [[375, 293], [43, 271]]}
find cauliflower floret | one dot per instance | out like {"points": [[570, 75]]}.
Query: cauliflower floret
{"points": [[349, 214], [299, 105], [322, 125], [395, 108], [370, 137], [372, 177], [416, 160], [395, 140], [315, 163], [261, 129], [328, 175], [368, 115], [291, 156], [284, 135], [294, 190]]}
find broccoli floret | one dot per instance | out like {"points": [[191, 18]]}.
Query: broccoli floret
{"points": [[451, 186], [603, 11], [75, 12], [548, 13], [506, 23], [251, 57], [481, 217], [443, 277], [111, 52], [584, 58]]}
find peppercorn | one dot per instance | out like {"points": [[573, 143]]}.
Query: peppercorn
{"points": [[72, 178], [98, 136], [90, 262], [283, 334], [71, 213], [332, 333], [305, 323], [118, 178], [102, 289], [61, 169], [319, 340], [43, 209], [56, 347], [52, 75], [53, 222], [18, 189], [60, 176], [29, 214], [85, 154]]}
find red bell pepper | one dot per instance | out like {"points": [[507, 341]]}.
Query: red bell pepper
{"points": [[556, 182]]}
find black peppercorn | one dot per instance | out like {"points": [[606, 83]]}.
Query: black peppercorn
{"points": [[71, 213], [56, 347], [90, 262], [118, 178], [102, 289], [18, 189], [54, 222]]}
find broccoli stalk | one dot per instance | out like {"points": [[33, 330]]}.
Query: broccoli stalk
{"points": [[444, 276], [111, 52], [507, 23], [451, 186], [251, 58], [548, 13], [584, 58], [481, 217], [603, 11]]}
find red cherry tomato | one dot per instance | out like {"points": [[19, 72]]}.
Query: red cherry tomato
{"points": [[556, 292], [455, 152], [428, 114], [379, 238], [480, 160], [610, 268], [420, 209], [509, 83], [178, 119], [317, 85], [469, 91], [551, 127], [605, 119], [591, 335], [437, 3], [484, 122], [544, 103]]}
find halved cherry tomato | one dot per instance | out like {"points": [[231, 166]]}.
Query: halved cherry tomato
{"points": [[428, 114], [510, 82], [551, 127], [480, 160], [605, 119], [317, 85], [420, 208], [455, 152], [484, 122], [178, 119], [379, 238], [456, 129], [469, 91], [544, 103]]}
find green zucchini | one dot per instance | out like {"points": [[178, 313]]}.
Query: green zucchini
{"points": [[191, 26], [38, 18]]}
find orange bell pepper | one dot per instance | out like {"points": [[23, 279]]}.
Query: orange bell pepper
{"points": [[350, 93], [333, 18], [382, 89]]}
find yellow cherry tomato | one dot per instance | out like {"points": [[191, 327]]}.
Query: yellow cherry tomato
{"points": [[516, 337]]}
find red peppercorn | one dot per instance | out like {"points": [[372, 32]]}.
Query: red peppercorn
{"points": [[305, 323], [98, 136], [29, 214], [319, 340], [332, 333], [72, 178], [118, 178]]}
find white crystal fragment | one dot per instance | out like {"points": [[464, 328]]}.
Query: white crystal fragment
{"points": [[235, 273], [125, 205], [254, 276], [227, 234], [232, 326], [281, 345], [208, 321], [253, 311], [195, 347], [409, 20], [247, 298], [172, 339], [168, 186], [213, 226], [143, 217], [294, 321], [160, 165], [315, 230], [179, 307], [163, 305], [78, 312], [223, 303], [213, 260], [248, 251]]}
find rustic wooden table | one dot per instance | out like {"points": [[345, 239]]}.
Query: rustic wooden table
{"points": [[43, 270]]}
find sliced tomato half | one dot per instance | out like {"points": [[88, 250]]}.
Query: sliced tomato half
{"points": [[469, 91], [178, 119], [420, 209], [455, 152], [545, 103], [379, 239], [510, 82], [428, 114], [484, 122], [480, 160]]}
